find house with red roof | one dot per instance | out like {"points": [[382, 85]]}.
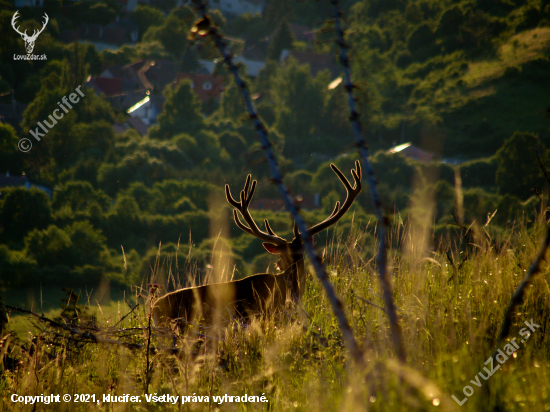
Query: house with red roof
{"points": [[206, 86], [160, 73], [105, 86], [412, 152], [146, 74]]}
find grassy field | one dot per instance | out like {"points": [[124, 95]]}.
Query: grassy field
{"points": [[475, 100], [105, 303], [519, 49], [450, 316]]}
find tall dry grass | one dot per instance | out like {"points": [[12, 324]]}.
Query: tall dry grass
{"points": [[450, 316]]}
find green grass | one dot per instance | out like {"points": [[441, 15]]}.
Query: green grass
{"points": [[479, 102], [300, 362], [521, 48], [107, 304]]}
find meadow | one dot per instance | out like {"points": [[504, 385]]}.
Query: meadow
{"points": [[450, 298]]}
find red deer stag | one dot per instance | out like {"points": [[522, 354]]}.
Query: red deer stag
{"points": [[260, 293]]}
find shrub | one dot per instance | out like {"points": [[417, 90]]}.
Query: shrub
{"points": [[22, 210], [479, 173], [16, 267], [49, 247], [518, 170], [79, 196]]}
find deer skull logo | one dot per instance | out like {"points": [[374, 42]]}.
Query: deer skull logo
{"points": [[29, 40]]}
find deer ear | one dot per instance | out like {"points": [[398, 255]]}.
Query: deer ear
{"points": [[271, 248]]}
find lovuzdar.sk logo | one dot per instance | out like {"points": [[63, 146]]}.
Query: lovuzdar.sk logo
{"points": [[29, 40]]}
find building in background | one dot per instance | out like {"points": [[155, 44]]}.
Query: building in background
{"points": [[412, 152]]}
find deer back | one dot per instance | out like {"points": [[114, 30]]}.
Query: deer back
{"points": [[258, 294], [262, 292]]}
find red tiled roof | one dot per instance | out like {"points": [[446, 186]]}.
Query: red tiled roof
{"points": [[116, 71], [205, 86], [107, 86], [118, 128], [135, 66]]}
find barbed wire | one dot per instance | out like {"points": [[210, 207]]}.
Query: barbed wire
{"points": [[204, 28], [382, 219]]}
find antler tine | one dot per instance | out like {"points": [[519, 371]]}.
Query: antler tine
{"points": [[352, 193], [268, 228], [245, 198], [336, 209], [230, 199], [249, 195], [36, 33], [341, 176], [13, 20], [247, 183], [240, 224]]}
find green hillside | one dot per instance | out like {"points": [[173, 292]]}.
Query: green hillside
{"points": [[467, 81], [476, 70]]}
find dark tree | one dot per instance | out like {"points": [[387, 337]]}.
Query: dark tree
{"points": [[22, 210], [276, 11], [282, 39], [518, 170]]}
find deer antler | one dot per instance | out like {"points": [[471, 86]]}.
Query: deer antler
{"points": [[246, 197], [25, 35], [35, 34], [270, 236], [13, 19], [352, 193]]}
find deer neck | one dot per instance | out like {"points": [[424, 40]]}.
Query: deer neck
{"points": [[295, 274], [301, 276]]}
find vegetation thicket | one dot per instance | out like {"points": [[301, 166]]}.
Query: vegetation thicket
{"points": [[447, 77], [450, 314]]}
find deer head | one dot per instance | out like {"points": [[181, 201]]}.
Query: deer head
{"points": [[29, 40], [291, 253], [254, 294]]}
